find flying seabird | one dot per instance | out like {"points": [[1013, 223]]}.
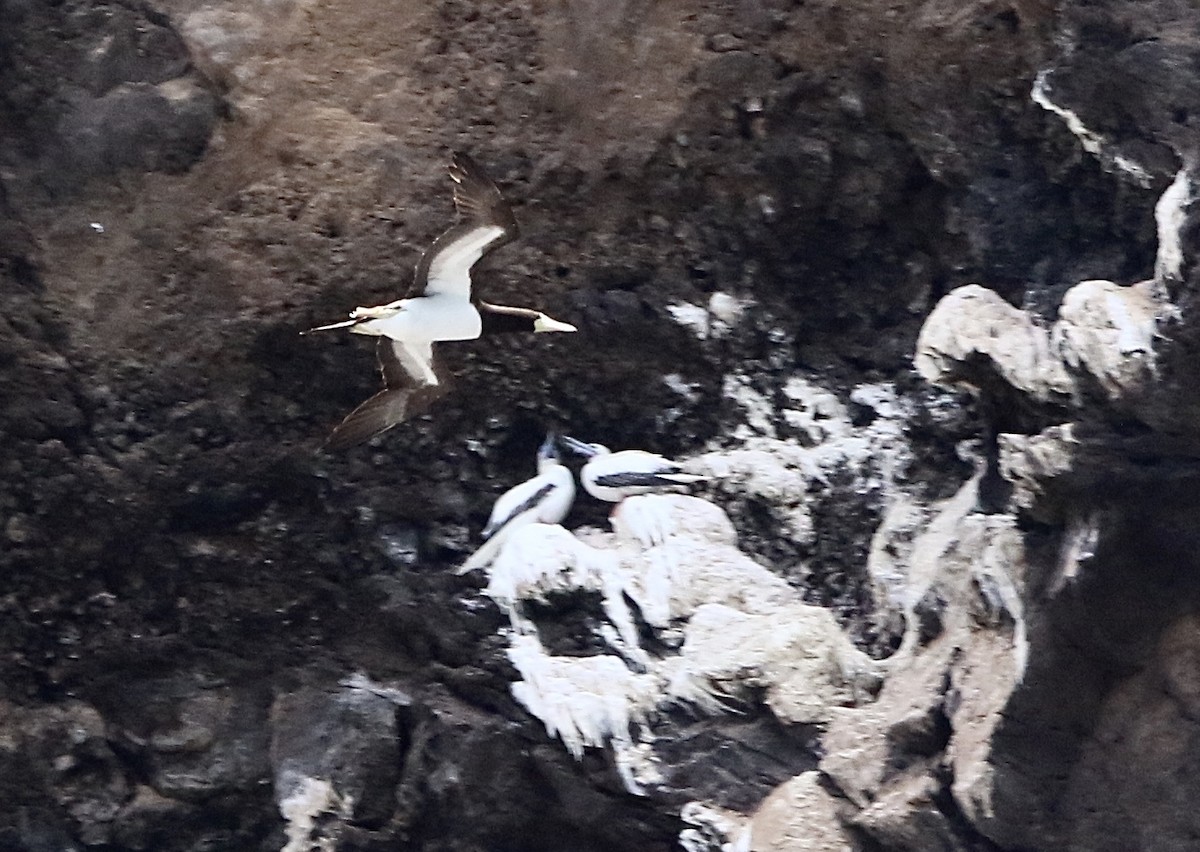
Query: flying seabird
{"points": [[545, 499], [439, 306], [613, 476]]}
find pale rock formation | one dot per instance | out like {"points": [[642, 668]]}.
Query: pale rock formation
{"points": [[955, 579], [713, 828], [651, 519], [891, 552], [801, 816], [741, 626], [972, 324], [961, 577], [1030, 461], [669, 581], [906, 817], [797, 654], [1107, 333]]}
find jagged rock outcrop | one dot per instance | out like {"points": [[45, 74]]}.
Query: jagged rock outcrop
{"points": [[732, 628]]}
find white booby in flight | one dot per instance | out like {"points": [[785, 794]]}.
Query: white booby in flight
{"points": [[545, 499], [440, 306], [613, 476]]}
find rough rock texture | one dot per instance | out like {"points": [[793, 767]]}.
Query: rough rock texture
{"points": [[721, 633], [758, 213]]}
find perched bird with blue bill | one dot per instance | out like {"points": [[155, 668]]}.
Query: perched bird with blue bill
{"points": [[612, 477], [544, 499]]}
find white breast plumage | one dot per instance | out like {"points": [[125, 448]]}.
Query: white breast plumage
{"points": [[544, 499]]}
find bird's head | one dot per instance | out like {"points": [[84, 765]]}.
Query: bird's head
{"points": [[583, 449], [545, 323], [548, 452]]}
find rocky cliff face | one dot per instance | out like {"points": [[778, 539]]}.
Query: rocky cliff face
{"points": [[914, 284]]}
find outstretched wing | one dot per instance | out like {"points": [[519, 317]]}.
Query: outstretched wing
{"points": [[445, 269], [410, 385], [476, 195], [378, 414]]}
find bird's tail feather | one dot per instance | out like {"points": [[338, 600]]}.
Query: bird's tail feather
{"points": [[482, 557], [682, 478]]}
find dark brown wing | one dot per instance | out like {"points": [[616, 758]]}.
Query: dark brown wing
{"points": [[378, 414], [402, 397], [477, 197], [445, 268]]}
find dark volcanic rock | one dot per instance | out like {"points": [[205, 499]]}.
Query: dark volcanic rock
{"points": [[92, 88], [155, 128], [62, 779], [326, 734], [185, 185]]}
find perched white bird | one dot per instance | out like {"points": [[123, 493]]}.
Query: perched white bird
{"points": [[440, 306], [613, 476], [545, 499]]}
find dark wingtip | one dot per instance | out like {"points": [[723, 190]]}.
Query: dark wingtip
{"points": [[462, 165], [386, 409], [476, 196], [350, 434], [360, 425], [340, 440]]}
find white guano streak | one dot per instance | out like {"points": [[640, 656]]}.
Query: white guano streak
{"points": [[1091, 141], [1170, 215]]}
